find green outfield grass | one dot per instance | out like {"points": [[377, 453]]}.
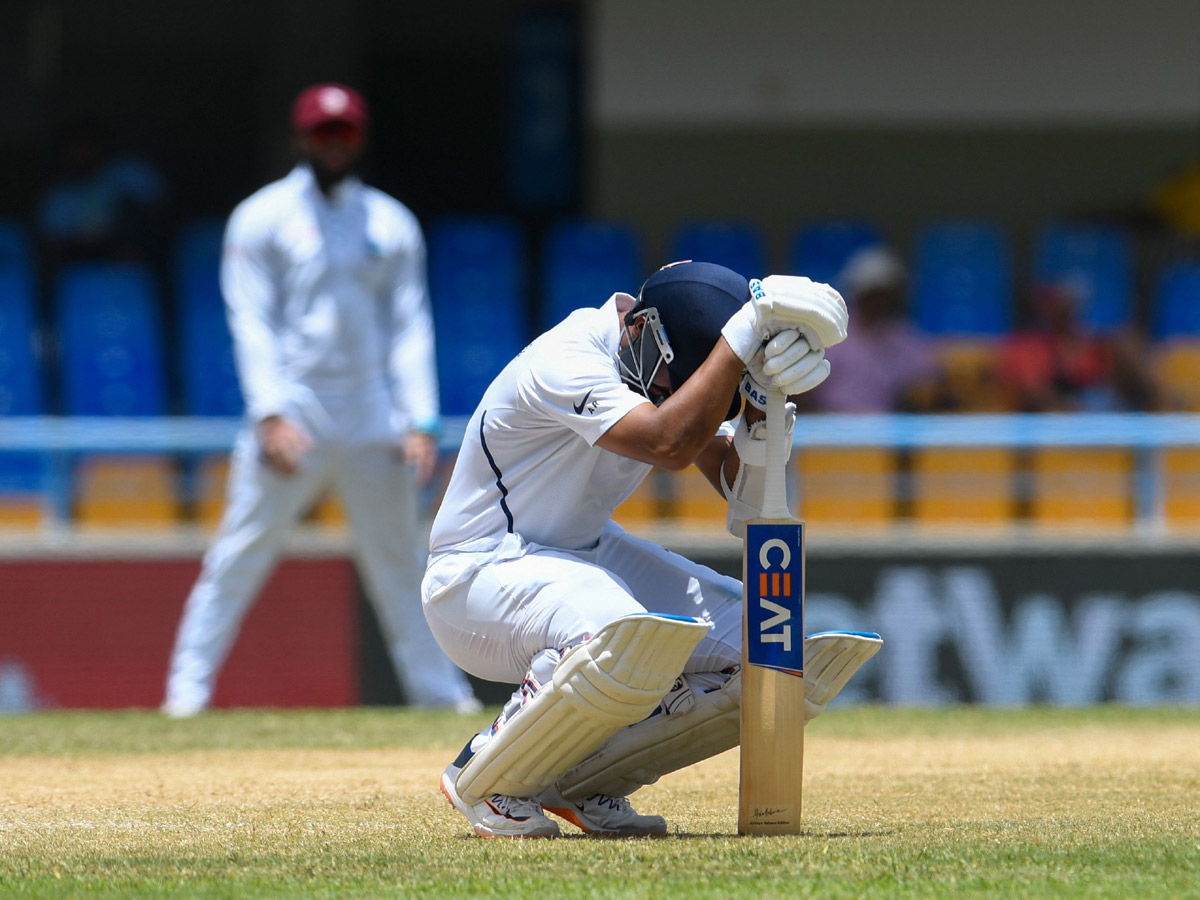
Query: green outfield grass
{"points": [[1040, 803]]}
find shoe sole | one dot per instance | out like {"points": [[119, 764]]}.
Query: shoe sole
{"points": [[572, 816], [479, 829]]}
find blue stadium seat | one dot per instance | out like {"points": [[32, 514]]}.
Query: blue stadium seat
{"points": [[21, 388], [583, 263], [735, 245], [110, 341], [477, 275], [1176, 301], [208, 375], [1096, 260], [962, 279], [819, 250], [16, 248]]}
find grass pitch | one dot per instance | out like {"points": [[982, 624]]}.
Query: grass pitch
{"points": [[1101, 803]]}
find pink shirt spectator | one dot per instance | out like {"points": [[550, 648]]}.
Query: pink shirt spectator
{"points": [[875, 367]]}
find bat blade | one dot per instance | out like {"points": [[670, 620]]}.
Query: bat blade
{"points": [[772, 716]]}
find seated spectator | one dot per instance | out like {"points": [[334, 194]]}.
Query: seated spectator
{"points": [[885, 364], [103, 205], [1056, 364]]}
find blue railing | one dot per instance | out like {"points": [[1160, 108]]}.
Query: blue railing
{"points": [[1144, 433]]}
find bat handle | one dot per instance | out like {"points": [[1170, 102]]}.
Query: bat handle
{"points": [[775, 490]]}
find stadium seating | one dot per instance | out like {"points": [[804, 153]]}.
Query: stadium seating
{"points": [[16, 247], [1175, 324], [1095, 260], [963, 486], [110, 341], [22, 475], [1082, 487], [1178, 371], [963, 297], [820, 250], [648, 505], [111, 358], [847, 487], [583, 263], [208, 376], [736, 245], [21, 389], [1175, 302], [22, 393], [477, 282], [1181, 488], [136, 491], [962, 280], [695, 502], [210, 475]]}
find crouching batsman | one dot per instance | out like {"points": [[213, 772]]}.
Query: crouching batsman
{"points": [[627, 654]]}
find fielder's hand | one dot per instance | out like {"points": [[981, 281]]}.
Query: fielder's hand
{"points": [[282, 443], [421, 452]]}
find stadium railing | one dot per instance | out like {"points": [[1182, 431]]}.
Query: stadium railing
{"points": [[1153, 477]]}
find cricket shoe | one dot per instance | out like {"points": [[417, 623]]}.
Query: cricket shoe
{"points": [[602, 815], [498, 815], [182, 709]]}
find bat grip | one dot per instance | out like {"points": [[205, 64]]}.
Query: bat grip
{"points": [[775, 488]]}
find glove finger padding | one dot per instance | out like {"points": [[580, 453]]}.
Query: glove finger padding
{"points": [[804, 377], [791, 365]]}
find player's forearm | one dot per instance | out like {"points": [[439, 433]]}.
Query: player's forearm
{"points": [[690, 417]]}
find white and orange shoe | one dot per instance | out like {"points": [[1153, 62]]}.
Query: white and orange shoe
{"points": [[498, 815], [602, 815]]}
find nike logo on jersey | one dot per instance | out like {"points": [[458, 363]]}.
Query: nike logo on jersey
{"points": [[579, 407]]}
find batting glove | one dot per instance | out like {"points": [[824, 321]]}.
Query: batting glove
{"points": [[743, 332], [792, 301], [790, 365]]}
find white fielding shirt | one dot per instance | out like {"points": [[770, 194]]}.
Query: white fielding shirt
{"points": [[529, 465], [328, 297]]}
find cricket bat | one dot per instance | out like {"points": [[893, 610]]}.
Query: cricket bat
{"points": [[772, 751]]}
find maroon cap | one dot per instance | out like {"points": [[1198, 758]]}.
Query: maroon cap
{"points": [[323, 103]]}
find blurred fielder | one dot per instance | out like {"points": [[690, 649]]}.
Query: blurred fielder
{"points": [[627, 654], [325, 290]]}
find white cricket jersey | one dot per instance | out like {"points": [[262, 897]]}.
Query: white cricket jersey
{"points": [[529, 465], [327, 296]]}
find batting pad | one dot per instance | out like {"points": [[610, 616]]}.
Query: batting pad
{"points": [[643, 753], [830, 660], [614, 679]]}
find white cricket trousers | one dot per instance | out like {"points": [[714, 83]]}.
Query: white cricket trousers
{"points": [[498, 618], [378, 494]]}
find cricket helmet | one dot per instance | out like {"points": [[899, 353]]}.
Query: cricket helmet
{"points": [[685, 305]]}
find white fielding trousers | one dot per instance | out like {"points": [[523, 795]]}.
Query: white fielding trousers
{"points": [[377, 491], [528, 598]]}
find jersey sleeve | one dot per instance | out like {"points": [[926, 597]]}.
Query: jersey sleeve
{"points": [[250, 288], [411, 359], [579, 387]]}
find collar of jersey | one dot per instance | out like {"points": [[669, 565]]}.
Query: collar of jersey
{"points": [[345, 189]]}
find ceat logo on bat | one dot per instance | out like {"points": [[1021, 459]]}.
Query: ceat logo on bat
{"points": [[774, 587]]}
